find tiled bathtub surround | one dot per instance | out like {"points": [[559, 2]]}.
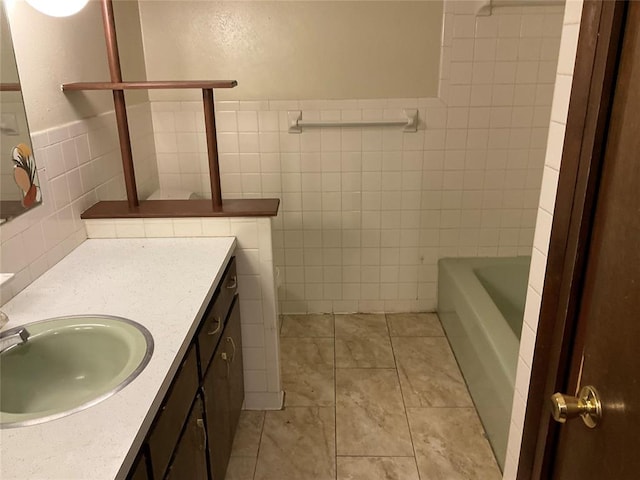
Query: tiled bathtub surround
{"points": [[256, 287], [354, 419], [367, 212], [78, 164]]}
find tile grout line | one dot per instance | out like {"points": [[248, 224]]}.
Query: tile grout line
{"points": [[255, 465], [404, 404]]}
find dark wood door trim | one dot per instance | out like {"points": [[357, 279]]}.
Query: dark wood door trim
{"points": [[589, 110]]}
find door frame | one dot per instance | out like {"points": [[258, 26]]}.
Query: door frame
{"points": [[559, 332]]}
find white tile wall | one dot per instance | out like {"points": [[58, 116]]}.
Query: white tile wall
{"points": [[78, 164], [366, 213], [256, 286], [564, 79], [143, 149]]}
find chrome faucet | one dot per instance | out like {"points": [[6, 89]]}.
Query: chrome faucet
{"points": [[13, 337]]}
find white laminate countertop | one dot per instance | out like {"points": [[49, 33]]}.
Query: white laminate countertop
{"points": [[162, 283]]}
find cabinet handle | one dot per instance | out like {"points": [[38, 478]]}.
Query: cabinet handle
{"points": [[224, 357], [218, 326], [233, 345], [234, 283], [200, 423]]}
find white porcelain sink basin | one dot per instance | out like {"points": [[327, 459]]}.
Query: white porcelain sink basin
{"points": [[67, 364]]}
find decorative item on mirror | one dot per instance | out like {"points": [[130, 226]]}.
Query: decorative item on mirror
{"points": [[24, 174]]}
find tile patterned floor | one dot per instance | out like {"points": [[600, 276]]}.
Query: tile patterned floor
{"points": [[368, 397]]}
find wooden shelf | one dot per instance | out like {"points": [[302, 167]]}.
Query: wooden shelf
{"points": [[246, 207], [149, 85], [9, 87]]}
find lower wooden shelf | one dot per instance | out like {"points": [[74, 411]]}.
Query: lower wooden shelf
{"points": [[245, 207]]}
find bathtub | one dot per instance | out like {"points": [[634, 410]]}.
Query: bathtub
{"points": [[481, 306]]}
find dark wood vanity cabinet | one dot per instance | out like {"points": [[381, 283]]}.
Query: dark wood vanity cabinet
{"points": [[224, 393], [193, 431]]}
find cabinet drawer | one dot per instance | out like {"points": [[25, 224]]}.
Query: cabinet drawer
{"points": [[171, 418], [215, 316]]}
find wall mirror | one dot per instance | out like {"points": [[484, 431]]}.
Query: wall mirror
{"points": [[19, 185]]}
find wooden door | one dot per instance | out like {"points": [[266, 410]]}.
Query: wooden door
{"points": [[608, 315], [190, 458]]}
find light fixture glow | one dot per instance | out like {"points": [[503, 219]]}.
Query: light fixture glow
{"points": [[58, 8]]}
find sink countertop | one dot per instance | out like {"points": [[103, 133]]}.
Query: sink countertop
{"points": [[164, 284]]}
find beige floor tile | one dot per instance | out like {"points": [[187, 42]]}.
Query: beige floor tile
{"points": [[312, 325], [298, 444], [450, 445], [429, 374], [247, 439], [308, 371], [377, 468], [364, 352], [361, 325], [370, 416], [241, 468], [414, 325]]}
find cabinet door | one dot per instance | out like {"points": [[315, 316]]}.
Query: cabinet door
{"points": [[232, 338], [190, 458], [217, 408], [170, 420]]}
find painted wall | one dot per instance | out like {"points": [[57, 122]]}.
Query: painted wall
{"points": [[51, 51], [295, 49], [564, 78]]}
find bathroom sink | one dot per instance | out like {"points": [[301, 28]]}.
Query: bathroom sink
{"points": [[68, 364]]}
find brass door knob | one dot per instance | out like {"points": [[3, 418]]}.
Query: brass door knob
{"points": [[586, 406]]}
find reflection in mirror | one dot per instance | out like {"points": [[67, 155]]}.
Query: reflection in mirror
{"points": [[19, 186]]}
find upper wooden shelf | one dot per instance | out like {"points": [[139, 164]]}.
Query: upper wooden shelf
{"points": [[150, 85], [9, 87]]}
